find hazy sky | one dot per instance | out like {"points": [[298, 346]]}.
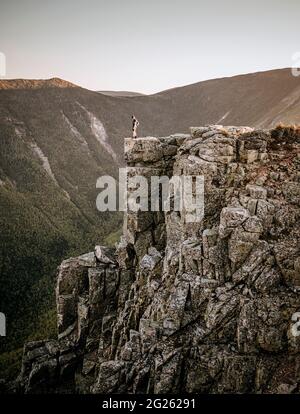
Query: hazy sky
{"points": [[146, 45]]}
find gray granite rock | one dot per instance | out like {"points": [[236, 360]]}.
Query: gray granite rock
{"points": [[187, 307]]}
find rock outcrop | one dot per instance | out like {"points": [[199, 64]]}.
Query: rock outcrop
{"points": [[188, 307]]}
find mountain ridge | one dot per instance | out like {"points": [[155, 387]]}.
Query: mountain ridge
{"points": [[35, 83], [22, 83]]}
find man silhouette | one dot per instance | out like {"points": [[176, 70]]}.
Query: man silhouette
{"points": [[135, 124]]}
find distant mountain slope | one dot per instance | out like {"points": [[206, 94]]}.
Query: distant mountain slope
{"points": [[258, 99], [56, 139], [35, 83]]}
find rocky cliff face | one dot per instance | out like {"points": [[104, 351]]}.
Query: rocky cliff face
{"points": [[188, 307]]}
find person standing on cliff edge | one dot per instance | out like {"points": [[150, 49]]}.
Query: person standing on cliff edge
{"points": [[135, 124]]}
